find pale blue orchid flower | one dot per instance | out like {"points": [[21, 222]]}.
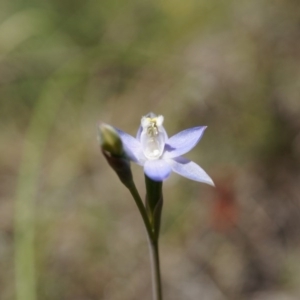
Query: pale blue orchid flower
{"points": [[159, 155]]}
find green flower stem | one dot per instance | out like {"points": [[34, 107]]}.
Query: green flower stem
{"points": [[135, 194], [154, 203], [154, 194], [155, 266], [153, 243]]}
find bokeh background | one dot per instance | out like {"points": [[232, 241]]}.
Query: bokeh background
{"points": [[68, 229]]}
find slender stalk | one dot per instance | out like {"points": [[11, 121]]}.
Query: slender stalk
{"points": [[24, 210], [135, 194], [153, 244], [43, 118], [155, 267]]}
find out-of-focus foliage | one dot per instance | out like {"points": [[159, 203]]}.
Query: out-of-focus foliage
{"points": [[232, 65]]}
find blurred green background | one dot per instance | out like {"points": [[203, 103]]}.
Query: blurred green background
{"points": [[68, 229]]}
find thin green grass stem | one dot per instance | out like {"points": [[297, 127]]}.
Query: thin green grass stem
{"points": [[24, 210]]}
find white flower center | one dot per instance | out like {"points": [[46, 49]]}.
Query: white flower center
{"points": [[152, 136]]}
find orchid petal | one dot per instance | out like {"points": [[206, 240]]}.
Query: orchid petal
{"points": [[183, 142], [139, 132], [189, 169], [132, 147], [157, 170]]}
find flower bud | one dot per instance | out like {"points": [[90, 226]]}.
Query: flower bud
{"points": [[112, 149], [110, 140]]}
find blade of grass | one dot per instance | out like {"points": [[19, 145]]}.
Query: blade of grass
{"points": [[24, 216]]}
